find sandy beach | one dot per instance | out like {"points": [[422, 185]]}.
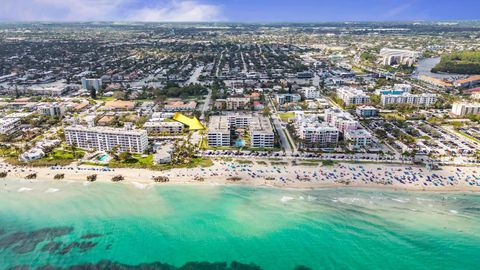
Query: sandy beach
{"points": [[395, 177]]}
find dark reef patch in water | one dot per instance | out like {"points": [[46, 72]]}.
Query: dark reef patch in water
{"points": [[24, 242], [105, 264], [51, 247], [91, 235], [82, 247]]}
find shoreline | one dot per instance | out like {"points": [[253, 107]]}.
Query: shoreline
{"points": [[399, 177]]}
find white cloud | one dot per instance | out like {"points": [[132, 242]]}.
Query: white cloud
{"points": [[178, 11], [106, 10]]}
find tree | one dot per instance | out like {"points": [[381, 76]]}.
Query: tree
{"points": [[93, 93], [266, 111], [73, 147], [114, 152], [125, 156]]}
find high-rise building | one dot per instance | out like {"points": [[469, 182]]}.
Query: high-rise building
{"points": [[352, 96], [424, 100], [260, 130], [465, 108], [90, 84], [105, 139]]}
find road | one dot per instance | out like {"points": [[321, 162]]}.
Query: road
{"points": [[195, 75], [206, 103], [282, 132]]}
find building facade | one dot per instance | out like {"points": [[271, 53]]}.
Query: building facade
{"points": [[106, 139], [424, 100], [461, 109], [352, 96]]}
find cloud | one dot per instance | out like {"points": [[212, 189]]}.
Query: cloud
{"points": [[178, 11], [108, 10]]}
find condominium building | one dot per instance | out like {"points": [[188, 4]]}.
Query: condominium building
{"points": [[9, 125], [358, 138], [314, 134], [352, 96], [163, 127], [219, 133], [398, 57], [341, 120], [465, 108], [406, 88], [105, 139], [424, 99], [235, 103], [52, 109], [366, 111], [287, 98], [90, 84], [310, 92], [177, 106], [260, 130]]}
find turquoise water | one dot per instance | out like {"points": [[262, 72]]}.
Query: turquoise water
{"points": [[68, 223]]}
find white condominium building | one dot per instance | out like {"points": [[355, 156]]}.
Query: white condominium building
{"points": [[317, 135], [218, 131], [53, 109], [465, 108], [261, 133], [341, 120], [398, 57], [105, 139], [310, 92], [260, 130], [90, 84], [424, 100], [358, 138], [352, 96], [287, 98], [314, 134], [8, 125], [235, 103], [406, 88], [163, 127]]}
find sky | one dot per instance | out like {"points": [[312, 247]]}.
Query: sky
{"points": [[238, 10]]}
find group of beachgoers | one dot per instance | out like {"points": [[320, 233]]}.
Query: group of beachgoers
{"points": [[284, 174]]}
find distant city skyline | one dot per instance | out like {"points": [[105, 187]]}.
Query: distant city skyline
{"points": [[237, 10]]}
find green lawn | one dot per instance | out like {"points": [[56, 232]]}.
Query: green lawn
{"points": [[285, 116]]}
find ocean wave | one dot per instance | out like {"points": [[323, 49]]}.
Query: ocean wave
{"points": [[352, 200], [52, 190], [400, 200], [24, 189], [454, 212], [286, 199], [141, 186]]}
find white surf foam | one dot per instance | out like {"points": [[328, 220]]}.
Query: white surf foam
{"points": [[286, 199], [141, 186], [24, 189], [52, 190], [400, 200]]}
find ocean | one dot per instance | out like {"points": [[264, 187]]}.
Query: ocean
{"points": [[74, 225]]}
